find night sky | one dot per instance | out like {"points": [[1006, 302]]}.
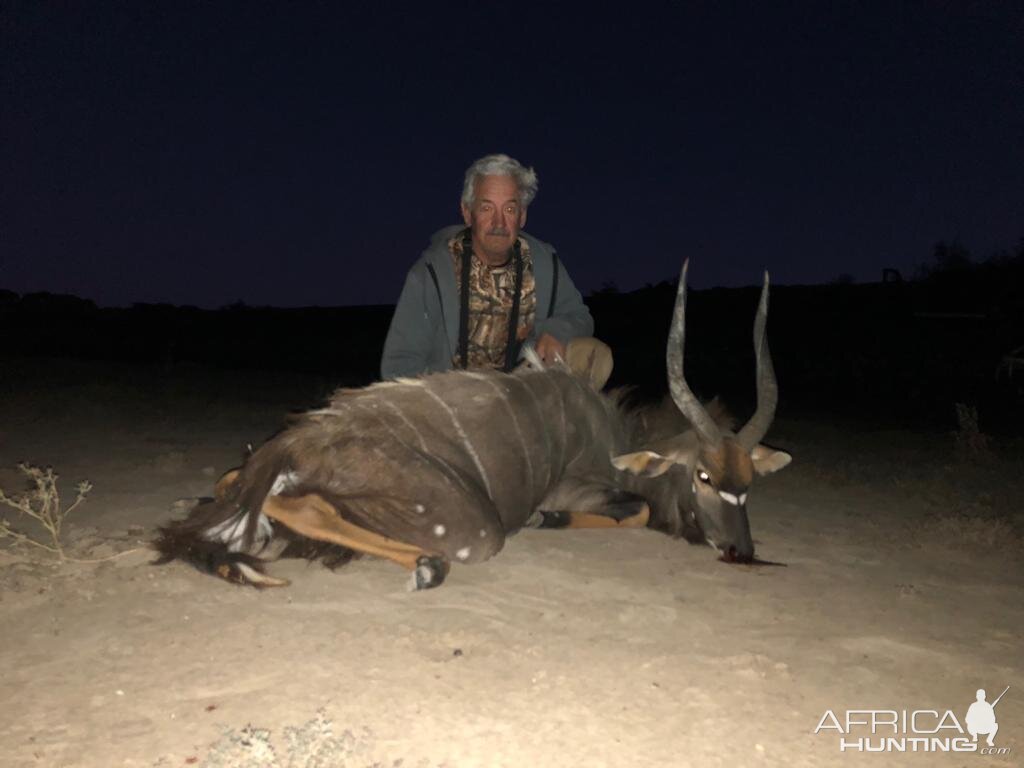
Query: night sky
{"points": [[302, 154]]}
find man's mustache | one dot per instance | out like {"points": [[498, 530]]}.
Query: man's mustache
{"points": [[499, 232]]}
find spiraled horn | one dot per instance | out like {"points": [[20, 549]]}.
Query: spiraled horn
{"points": [[767, 388], [683, 397]]}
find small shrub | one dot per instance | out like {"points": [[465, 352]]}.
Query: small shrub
{"points": [[42, 504], [971, 442]]}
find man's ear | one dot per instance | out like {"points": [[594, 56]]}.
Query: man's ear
{"points": [[466, 215], [522, 218]]}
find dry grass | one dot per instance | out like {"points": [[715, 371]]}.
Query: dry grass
{"points": [[315, 744], [41, 503], [963, 529], [971, 443]]}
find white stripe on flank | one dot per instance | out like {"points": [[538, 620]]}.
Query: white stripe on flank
{"points": [[465, 441], [729, 497], [515, 423], [565, 427], [405, 420], [543, 426], [424, 453]]}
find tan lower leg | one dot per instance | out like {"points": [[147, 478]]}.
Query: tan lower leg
{"points": [[315, 517]]}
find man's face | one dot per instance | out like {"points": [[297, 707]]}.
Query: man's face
{"points": [[495, 218]]}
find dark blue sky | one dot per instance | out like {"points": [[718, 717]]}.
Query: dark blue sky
{"points": [[301, 154]]}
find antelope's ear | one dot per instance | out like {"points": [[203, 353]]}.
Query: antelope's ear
{"points": [[768, 460], [643, 463], [590, 358]]}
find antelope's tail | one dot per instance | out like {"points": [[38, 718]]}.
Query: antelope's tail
{"points": [[224, 536]]}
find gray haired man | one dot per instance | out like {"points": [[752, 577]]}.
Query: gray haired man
{"points": [[483, 288]]}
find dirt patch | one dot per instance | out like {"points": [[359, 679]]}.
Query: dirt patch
{"points": [[903, 590]]}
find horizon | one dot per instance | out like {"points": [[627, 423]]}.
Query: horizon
{"points": [[604, 290]]}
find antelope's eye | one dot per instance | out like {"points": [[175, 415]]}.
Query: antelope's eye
{"points": [[703, 476]]}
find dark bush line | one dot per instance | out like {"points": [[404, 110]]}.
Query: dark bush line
{"points": [[902, 350]]}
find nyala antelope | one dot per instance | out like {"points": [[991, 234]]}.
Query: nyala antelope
{"points": [[440, 469]]}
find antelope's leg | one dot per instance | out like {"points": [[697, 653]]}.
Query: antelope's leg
{"points": [[613, 517], [313, 516]]}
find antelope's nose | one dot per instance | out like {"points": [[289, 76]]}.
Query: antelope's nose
{"points": [[734, 554]]}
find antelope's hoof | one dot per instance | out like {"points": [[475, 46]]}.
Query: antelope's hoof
{"points": [[553, 519], [429, 573]]}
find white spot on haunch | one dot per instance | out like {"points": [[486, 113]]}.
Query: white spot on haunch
{"points": [[440, 530], [483, 533], [420, 509], [463, 554], [729, 497], [743, 498]]}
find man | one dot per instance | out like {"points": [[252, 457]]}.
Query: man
{"points": [[981, 717], [481, 290]]}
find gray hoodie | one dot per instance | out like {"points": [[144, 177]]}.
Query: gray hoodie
{"points": [[424, 331]]}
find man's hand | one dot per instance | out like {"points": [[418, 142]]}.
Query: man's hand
{"points": [[548, 346]]}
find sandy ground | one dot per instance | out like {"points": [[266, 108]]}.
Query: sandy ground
{"points": [[903, 590]]}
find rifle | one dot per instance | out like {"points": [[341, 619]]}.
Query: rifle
{"points": [[1000, 696]]}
